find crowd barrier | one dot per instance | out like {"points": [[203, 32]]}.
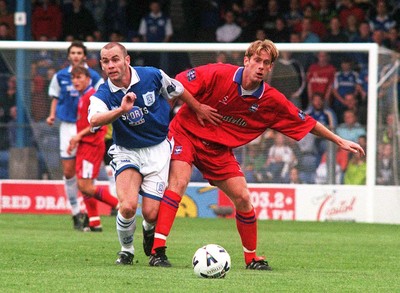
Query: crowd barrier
{"points": [[271, 201]]}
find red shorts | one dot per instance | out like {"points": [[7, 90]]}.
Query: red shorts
{"points": [[88, 160], [214, 161]]}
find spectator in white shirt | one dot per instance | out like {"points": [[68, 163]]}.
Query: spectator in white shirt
{"points": [[230, 31]]}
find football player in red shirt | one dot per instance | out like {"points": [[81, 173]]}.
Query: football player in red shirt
{"points": [[90, 151], [248, 106]]}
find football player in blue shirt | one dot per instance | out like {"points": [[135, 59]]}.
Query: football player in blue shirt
{"points": [[64, 109], [135, 101]]}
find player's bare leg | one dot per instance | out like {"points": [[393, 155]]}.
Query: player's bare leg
{"points": [[246, 221]]}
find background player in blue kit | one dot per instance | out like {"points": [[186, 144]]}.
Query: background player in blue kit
{"points": [[64, 107], [135, 101]]}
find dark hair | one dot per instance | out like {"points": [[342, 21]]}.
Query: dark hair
{"points": [[5, 24], [317, 94], [346, 59], [78, 44]]}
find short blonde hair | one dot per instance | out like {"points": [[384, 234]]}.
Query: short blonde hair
{"points": [[257, 46]]}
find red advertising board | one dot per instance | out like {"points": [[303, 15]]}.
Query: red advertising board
{"points": [[269, 203], [48, 197], [38, 197]]}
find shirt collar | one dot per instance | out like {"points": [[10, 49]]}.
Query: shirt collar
{"points": [[134, 79], [87, 89], [238, 79]]}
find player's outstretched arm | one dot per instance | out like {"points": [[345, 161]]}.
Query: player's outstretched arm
{"points": [[350, 146]]}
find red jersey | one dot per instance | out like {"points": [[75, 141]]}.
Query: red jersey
{"points": [[82, 119], [46, 20], [347, 11], [320, 77], [244, 117]]}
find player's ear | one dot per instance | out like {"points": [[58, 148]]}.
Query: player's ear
{"points": [[246, 60]]}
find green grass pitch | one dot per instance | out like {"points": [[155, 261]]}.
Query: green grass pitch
{"points": [[42, 253]]}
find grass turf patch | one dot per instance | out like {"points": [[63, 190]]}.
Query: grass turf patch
{"points": [[42, 253]]}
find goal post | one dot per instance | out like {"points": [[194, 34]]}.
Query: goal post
{"points": [[17, 58], [371, 48]]}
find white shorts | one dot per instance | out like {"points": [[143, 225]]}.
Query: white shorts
{"points": [[152, 162], [67, 131]]}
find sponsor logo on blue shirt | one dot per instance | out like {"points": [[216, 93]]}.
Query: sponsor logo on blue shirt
{"points": [[135, 116]]}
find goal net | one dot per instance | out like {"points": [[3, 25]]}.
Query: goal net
{"points": [[270, 158]]}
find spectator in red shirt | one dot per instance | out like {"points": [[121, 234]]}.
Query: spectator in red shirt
{"points": [[315, 3], [317, 27], [350, 8], [47, 20], [7, 17], [320, 76], [5, 32]]}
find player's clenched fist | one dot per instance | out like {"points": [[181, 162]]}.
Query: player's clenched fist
{"points": [[50, 120], [127, 102]]}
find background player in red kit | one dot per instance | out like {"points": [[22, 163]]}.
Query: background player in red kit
{"points": [[248, 107], [90, 152]]}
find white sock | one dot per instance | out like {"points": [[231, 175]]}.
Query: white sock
{"points": [[147, 226], [125, 230], [111, 180], [71, 190]]}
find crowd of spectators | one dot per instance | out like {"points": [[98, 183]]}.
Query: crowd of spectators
{"points": [[328, 86], [212, 20]]}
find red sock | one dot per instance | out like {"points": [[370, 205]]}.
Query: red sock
{"points": [[93, 213], [102, 194], [246, 224], [166, 215]]}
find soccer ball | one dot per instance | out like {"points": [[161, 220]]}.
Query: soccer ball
{"points": [[211, 261]]}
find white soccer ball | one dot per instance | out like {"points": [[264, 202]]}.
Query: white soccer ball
{"points": [[211, 261]]}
